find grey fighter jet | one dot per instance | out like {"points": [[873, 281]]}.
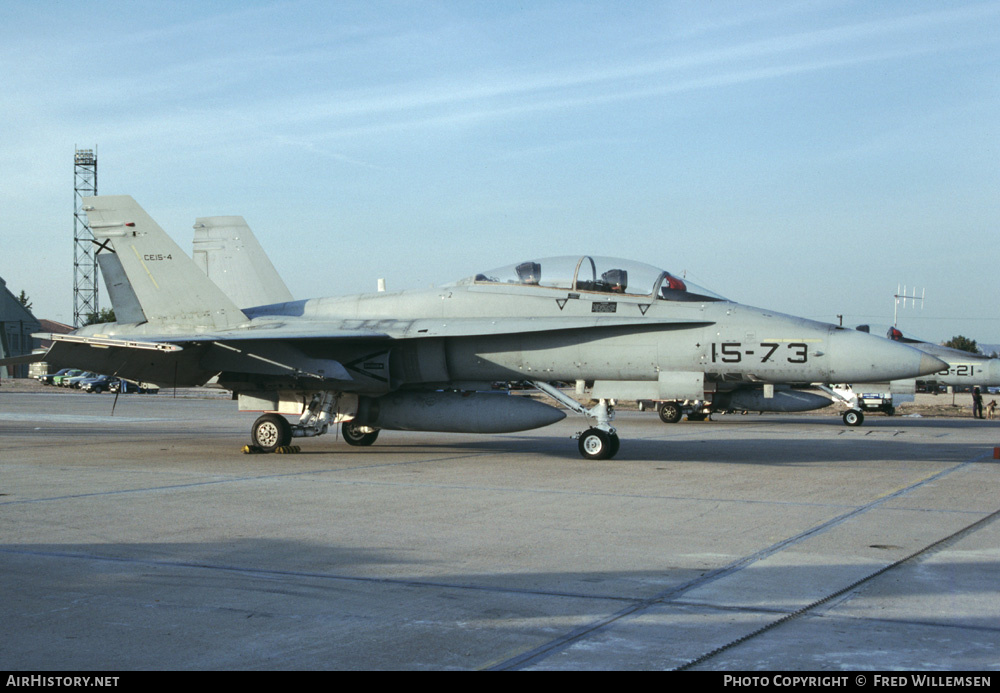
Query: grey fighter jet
{"points": [[421, 360], [964, 369]]}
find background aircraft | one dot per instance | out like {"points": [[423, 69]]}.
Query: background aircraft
{"points": [[419, 360], [965, 369]]}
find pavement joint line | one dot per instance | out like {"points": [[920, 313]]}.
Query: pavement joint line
{"points": [[929, 549], [541, 652]]}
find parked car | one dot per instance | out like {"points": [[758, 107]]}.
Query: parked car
{"points": [[58, 379], [75, 381], [98, 384], [46, 379]]}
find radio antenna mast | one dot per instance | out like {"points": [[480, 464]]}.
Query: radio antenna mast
{"points": [[901, 295]]}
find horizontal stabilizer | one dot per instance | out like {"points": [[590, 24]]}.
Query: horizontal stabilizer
{"points": [[20, 360], [163, 364], [106, 342]]}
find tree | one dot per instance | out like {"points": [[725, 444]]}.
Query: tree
{"points": [[963, 343], [105, 315], [24, 300]]}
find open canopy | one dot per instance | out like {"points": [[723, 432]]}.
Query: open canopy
{"points": [[596, 274]]}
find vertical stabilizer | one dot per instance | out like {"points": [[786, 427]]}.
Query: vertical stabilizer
{"points": [[167, 284], [228, 252]]}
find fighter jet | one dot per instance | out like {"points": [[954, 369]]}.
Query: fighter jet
{"points": [[421, 360], [965, 369]]}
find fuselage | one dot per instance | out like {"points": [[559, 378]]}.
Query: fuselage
{"points": [[486, 330], [722, 339]]}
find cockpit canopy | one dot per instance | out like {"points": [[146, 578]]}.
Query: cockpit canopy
{"points": [[893, 333], [597, 274]]}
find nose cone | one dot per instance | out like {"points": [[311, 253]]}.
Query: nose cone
{"points": [[860, 357]]}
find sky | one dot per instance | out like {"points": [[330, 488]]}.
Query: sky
{"points": [[810, 157]]}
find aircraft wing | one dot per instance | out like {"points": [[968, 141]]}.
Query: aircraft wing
{"points": [[287, 348]]}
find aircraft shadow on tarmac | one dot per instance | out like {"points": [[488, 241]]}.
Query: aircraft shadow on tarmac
{"points": [[703, 446], [307, 601]]}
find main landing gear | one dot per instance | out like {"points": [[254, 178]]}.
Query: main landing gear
{"points": [[598, 443], [273, 432]]}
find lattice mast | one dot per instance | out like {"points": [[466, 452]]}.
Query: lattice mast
{"points": [[85, 277]]}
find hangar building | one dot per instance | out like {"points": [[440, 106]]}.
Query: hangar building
{"points": [[16, 325]]}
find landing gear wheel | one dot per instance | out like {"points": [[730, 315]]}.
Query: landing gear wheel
{"points": [[616, 443], [670, 412], [596, 444], [853, 417], [358, 435], [270, 432]]}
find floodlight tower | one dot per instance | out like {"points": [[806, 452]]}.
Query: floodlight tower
{"points": [[84, 256]]}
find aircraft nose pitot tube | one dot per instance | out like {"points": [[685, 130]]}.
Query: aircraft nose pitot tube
{"points": [[859, 357]]}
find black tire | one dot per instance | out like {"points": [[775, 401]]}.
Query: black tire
{"points": [[670, 412], [853, 417], [270, 432], [616, 444], [595, 444], [354, 436]]}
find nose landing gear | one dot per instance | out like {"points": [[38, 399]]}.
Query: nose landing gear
{"points": [[598, 443]]}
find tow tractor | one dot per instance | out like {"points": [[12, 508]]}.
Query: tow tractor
{"points": [[672, 411], [861, 398]]}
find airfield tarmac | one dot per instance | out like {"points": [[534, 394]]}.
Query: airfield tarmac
{"points": [[147, 540]]}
